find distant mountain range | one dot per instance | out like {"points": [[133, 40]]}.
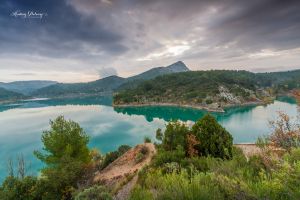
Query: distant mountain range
{"points": [[109, 84], [177, 78], [23, 89], [26, 87]]}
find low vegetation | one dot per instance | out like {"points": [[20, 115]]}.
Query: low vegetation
{"points": [[112, 156], [223, 172]]}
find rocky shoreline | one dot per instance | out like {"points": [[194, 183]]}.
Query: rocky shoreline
{"points": [[210, 108]]}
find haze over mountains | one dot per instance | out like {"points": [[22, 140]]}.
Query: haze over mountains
{"points": [[101, 86], [108, 85], [26, 87]]}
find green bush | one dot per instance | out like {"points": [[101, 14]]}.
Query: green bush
{"points": [[174, 135], [139, 157], [65, 154], [214, 139], [141, 154], [123, 149], [14, 188], [178, 186], [293, 156], [109, 158], [139, 193], [96, 192], [147, 140], [112, 156], [163, 156]]}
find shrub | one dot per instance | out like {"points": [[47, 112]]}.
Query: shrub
{"points": [[141, 154], [191, 141], [174, 135], [96, 192], [286, 133], [293, 156], [112, 156], [123, 149], [214, 139], [139, 157], [147, 140], [163, 157], [15, 188], [178, 186], [109, 158], [139, 193], [65, 154]]}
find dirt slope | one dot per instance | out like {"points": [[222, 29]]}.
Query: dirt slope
{"points": [[125, 165]]}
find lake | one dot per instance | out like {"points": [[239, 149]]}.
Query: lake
{"points": [[22, 123]]}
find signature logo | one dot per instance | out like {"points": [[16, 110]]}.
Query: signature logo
{"points": [[28, 15]]}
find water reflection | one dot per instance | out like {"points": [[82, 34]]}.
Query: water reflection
{"points": [[22, 123]]}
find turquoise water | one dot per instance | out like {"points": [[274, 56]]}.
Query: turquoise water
{"points": [[22, 123]]}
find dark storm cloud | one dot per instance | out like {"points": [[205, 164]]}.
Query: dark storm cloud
{"points": [[64, 32], [251, 25], [259, 24], [128, 35]]}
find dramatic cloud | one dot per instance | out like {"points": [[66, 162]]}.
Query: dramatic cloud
{"points": [[129, 36]]}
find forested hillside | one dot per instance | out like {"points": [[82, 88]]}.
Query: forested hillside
{"points": [[96, 87], [108, 84], [5, 95], [26, 87], [207, 87]]}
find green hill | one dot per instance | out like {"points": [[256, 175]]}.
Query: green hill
{"points": [[26, 87], [108, 84], [9, 95], [202, 88], [101, 86]]}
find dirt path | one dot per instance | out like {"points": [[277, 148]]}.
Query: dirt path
{"points": [[124, 193], [126, 164]]}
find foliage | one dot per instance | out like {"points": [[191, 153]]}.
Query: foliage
{"points": [[9, 95], [213, 178], [285, 133], [15, 188], [123, 149], [213, 139], [139, 157], [192, 141], [194, 87], [96, 192], [65, 154], [109, 158], [199, 186], [185, 87], [147, 140], [163, 156], [141, 154], [141, 194], [175, 174], [174, 135], [112, 156]]}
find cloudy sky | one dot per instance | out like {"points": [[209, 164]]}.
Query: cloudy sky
{"points": [[83, 40]]}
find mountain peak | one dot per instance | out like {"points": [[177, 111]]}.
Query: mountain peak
{"points": [[179, 66]]}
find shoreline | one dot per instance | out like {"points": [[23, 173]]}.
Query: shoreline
{"points": [[169, 105], [198, 107]]}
